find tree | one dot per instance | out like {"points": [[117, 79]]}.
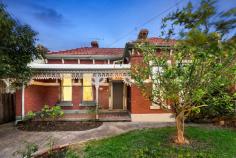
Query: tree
{"points": [[203, 58], [17, 49]]}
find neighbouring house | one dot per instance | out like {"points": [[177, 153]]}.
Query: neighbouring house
{"points": [[89, 78]]}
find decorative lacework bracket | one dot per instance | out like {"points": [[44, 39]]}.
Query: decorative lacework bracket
{"points": [[99, 76]]}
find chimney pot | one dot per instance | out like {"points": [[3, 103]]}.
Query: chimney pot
{"points": [[94, 44], [143, 34]]}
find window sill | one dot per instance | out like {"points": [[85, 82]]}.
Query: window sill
{"points": [[65, 103], [155, 107], [88, 103]]}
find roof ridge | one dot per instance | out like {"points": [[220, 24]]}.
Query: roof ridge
{"points": [[89, 51], [81, 48], [160, 38]]}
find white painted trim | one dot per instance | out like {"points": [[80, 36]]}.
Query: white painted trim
{"points": [[80, 66], [104, 84], [154, 106], [111, 96], [77, 84], [171, 52], [23, 102], [124, 97], [38, 83], [159, 117]]}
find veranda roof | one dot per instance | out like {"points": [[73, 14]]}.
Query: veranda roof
{"points": [[37, 66]]}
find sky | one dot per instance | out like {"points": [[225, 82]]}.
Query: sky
{"points": [[69, 24]]}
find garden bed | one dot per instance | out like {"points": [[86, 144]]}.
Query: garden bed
{"points": [[58, 125]]}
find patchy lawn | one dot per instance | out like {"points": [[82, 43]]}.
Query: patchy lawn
{"points": [[151, 143]]}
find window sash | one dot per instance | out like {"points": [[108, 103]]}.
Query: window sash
{"points": [[87, 87], [67, 87]]}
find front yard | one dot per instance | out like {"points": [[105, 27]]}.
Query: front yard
{"points": [[205, 142], [126, 139]]}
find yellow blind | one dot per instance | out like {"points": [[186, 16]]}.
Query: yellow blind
{"points": [[67, 87], [87, 87]]}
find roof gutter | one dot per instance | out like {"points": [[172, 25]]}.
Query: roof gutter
{"points": [[97, 57]]}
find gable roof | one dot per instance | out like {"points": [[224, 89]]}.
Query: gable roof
{"points": [[90, 51]]}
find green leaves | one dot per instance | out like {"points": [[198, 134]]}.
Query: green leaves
{"points": [[198, 94], [46, 112], [53, 112], [203, 17], [30, 116], [17, 49], [202, 66]]}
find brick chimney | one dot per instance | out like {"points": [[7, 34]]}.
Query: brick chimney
{"points": [[143, 34], [94, 44]]}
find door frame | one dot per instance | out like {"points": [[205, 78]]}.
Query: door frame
{"points": [[124, 96]]}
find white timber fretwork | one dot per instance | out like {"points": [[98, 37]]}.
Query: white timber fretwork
{"points": [[97, 75]]}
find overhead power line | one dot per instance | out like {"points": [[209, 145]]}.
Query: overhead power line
{"points": [[146, 22]]}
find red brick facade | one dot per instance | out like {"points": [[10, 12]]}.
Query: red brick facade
{"points": [[38, 96], [139, 103]]}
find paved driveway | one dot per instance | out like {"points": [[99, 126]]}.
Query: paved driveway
{"points": [[12, 139]]}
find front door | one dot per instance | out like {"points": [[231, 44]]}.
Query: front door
{"points": [[118, 95]]}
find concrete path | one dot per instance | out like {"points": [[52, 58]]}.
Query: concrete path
{"points": [[12, 139]]}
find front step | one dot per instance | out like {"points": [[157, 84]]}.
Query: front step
{"points": [[102, 116]]}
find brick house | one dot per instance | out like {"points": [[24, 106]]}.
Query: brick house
{"points": [[91, 78]]}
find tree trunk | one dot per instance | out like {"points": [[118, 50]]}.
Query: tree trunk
{"points": [[180, 139]]}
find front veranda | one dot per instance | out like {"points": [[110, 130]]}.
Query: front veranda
{"points": [[84, 92]]}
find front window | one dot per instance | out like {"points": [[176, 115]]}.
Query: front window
{"points": [[66, 94], [87, 87]]}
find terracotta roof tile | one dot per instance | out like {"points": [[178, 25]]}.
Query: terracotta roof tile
{"points": [[161, 41], [90, 51]]}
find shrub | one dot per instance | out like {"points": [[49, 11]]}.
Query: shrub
{"points": [[30, 116], [56, 112], [221, 104], [46, 112], [53, 113]]}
